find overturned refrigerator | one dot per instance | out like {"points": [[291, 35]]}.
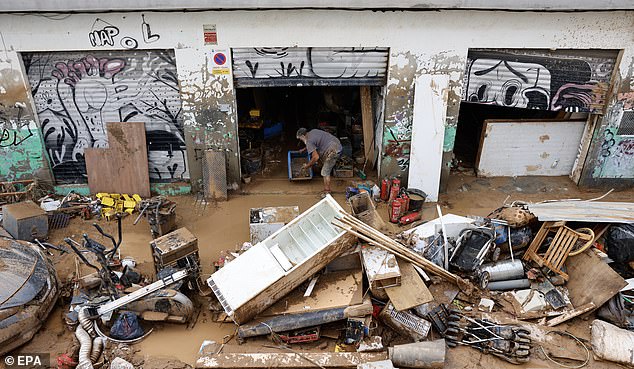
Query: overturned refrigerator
{"points": [[281, 262]]}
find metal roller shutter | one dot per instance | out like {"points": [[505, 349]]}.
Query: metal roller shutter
{"points": [[76, 93], [309, 66], [567, 80]]}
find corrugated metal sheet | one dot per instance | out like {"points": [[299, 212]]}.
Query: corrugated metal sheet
{"points": [[568, 80], [584, 211], [76, 93], [529, 148], [309, 66]]}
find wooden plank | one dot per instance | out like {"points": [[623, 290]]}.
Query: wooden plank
{"points": [[367, 119], [571, 314], [123, 166], [591, 280], [282, 360], [412, 291], [332, 290]]}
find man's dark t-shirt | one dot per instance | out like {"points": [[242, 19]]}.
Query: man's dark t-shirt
{"points": [[322, 141]]}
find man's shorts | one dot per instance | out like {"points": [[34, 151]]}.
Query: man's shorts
{"points": [[329, 160]]}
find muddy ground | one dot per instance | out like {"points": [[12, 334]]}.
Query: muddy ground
{"points": [[224, 226]]}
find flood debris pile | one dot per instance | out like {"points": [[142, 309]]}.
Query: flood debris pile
{"points": [[369, 298]]}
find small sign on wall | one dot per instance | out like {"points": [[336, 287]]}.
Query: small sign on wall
{"points": [[209, 34], [220, 63]]}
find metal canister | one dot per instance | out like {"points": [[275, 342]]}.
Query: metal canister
{"points": [[501, 271], [406, 203], [395, 189], [385, 189], [395, 210], [410, 218]]}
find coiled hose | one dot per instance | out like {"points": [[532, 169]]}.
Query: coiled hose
{"points": [[86, 322], [97, 348], [85, 347]]}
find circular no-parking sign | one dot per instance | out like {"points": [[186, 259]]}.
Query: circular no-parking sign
{"points": [[220, 58]]}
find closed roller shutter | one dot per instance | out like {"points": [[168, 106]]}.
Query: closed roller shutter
{"points": [[556, 80], [309, 66], [76, 93]]}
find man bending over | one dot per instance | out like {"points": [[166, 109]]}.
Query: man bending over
{"points": [[321, 144]]}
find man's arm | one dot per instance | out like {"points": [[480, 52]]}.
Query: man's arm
{"points": [[314, 156]]}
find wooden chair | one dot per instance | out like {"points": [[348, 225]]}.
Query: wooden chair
{"points": [[562, 244]]}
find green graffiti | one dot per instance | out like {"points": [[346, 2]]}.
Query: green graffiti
{"points": [[450, 138], [20, 158]]}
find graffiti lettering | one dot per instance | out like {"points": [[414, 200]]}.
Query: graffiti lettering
{"points": [[103, 37], [148, 36], [106, 35], [537, 81], [608, 142], [76, 93]]}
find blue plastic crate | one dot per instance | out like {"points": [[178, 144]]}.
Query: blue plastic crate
{"points": [[293, 155]]}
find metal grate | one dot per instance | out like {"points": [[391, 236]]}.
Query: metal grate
{"points": [[626, 127], [215, 175]]}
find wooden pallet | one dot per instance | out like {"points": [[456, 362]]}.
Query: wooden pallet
{"points": [[561, 245]]}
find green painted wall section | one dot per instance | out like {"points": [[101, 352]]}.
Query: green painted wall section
{"points": [[24, 159], [165, 189], [450, 138]]}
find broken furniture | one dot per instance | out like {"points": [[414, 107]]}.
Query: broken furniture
{"points": [[380, 267], [560, 247], [277, 265], [178, 250], [25, 221], [122, 167], [160, 213], [361, 230], [16, 191], [363, 208], [263, 222]]}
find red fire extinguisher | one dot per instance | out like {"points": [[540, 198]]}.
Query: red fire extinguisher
{"points": [[385, 189], [395, 210], [410, 218], [394, 190], [406, 202]]}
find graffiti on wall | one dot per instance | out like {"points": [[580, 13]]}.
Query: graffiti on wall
{"points": [[103, 33], [76, 93], [13, 129], [616, 150], [310, 62], [537, 80]]}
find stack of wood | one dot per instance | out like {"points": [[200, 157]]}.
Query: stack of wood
{"points": [[365, 232]]}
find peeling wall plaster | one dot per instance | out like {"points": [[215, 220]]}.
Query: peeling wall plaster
{"points": [[419, 42], [20, 138]]}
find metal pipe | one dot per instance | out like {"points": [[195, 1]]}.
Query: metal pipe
{"points": [[501, 271], [427, 354], [513, 284]]}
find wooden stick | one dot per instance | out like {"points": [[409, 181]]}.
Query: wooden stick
{"points": [[571, 314], [371, 235]]}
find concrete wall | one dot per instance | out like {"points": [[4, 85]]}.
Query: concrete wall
{"points": [[419, 42], [21, 145]]}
